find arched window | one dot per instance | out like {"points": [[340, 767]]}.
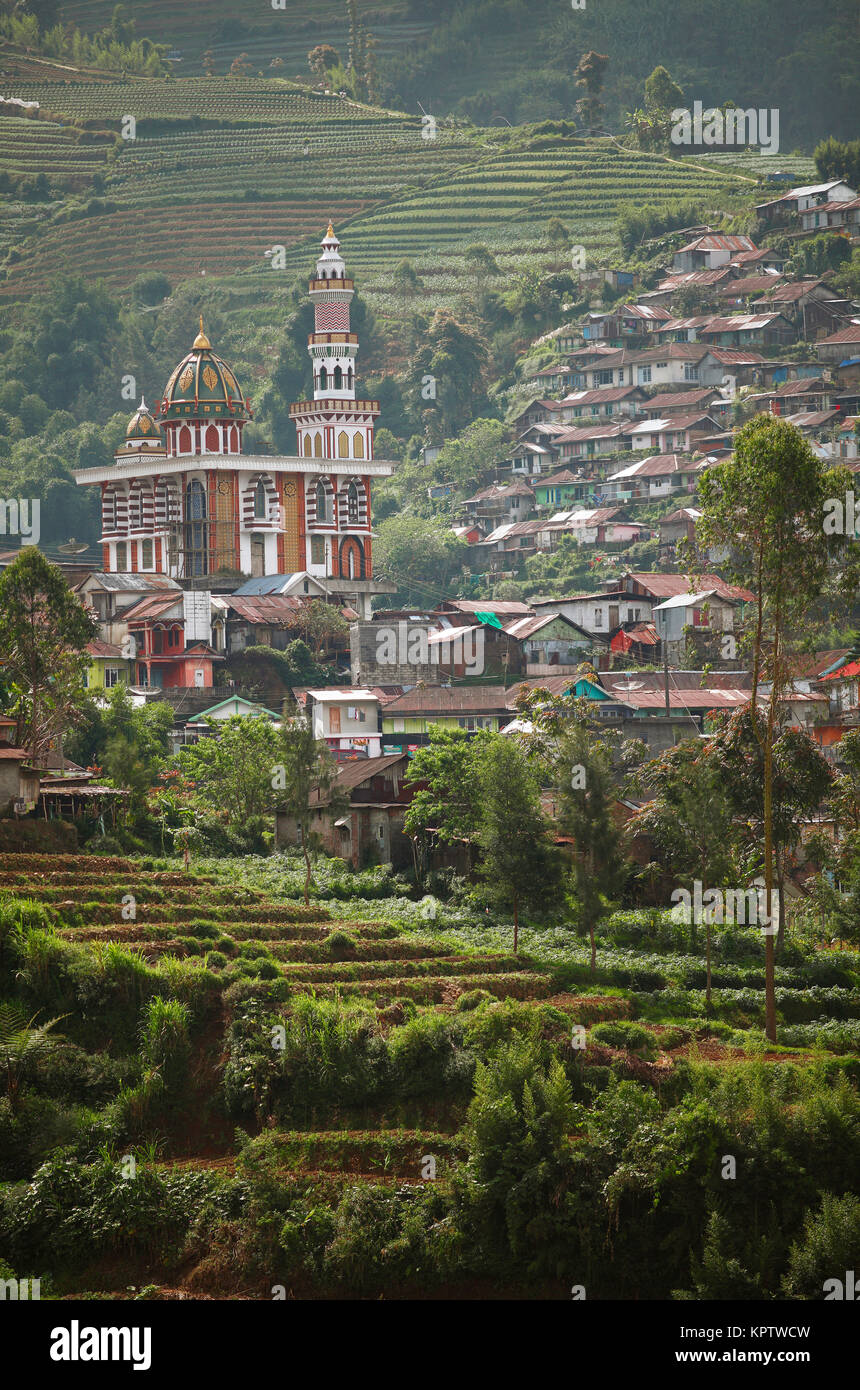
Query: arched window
{"points": [[343, 445], [121, 557], [323, 510], [349, 377], [318, 446], [212, 443], [358, 446], [196, 530], [234, 440], [323, 379], [184, 440], [338, 379], [308, 446], [352, 507], [261, 509]]}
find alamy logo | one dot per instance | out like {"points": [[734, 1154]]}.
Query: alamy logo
{"points": [[839, 1290], [406, 645], [21, 516], [731, 127], [20, 1290], [76, 1343], [741, 906]]}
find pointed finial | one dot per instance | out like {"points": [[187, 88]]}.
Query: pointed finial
{"points": [[330, 232], [201, 341]]}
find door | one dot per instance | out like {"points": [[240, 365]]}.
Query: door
{"points": [[334, 719], [613, 615], [258, 557], [199, 680]]}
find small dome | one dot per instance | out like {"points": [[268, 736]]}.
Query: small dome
{"points": [[203, 386], [143, 427]]}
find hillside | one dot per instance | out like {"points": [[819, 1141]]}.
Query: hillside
{"points": [[514, 60], [223, 169]]}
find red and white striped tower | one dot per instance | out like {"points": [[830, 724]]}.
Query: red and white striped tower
{"points": [[335, 424]]}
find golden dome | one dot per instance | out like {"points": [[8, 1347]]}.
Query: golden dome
{"points": [[143, 427], [203, 386], [201, 341]]}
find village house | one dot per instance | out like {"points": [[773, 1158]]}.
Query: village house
{"points": [[109, 666], [736, 294], [498, 503], [605, 401], [407, 721], [561, 489], [537, 412], [841, 346], [679, 525], [172, 635], [600, 613], [697, 611], [842, 215], [749, 330], [810, 305], [370, 830], [800, 200], [346, 720], [552, 644], [676, 433], [802, 393], [707, 398], [19, 782], [592, 441], [710, 251], [110, 596], [652, 478], [204, 723]]}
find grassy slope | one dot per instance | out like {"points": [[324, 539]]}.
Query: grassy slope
{"points": [[180, 193]]}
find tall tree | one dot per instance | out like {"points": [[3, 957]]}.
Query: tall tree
{"points": [[306, 780], [44, 631], [767, 505], [689, 819], [589, 76], [520, 866], [445, 807]]}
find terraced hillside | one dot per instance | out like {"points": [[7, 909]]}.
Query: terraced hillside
{"points": [[270, 164], [246, 1050]]}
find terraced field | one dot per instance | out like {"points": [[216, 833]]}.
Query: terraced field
{"points": [[322, 1060], [275, 163]]}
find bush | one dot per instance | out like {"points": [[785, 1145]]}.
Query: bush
{"points": [[631, 1036]]}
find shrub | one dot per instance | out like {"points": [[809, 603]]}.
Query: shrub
{"points": [[631, 1036]]}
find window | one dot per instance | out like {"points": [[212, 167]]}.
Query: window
{"points": [[356, 714], [323, 511], [121, 556], [343, 445], [603, 378], [260, 500], [598, 617], [643, 375], [662, 364], [112, 676], [146, 555], [86, 680], [196, 530], [323, 379], [317, 550], [577, 412], [399, 726], [352, 504], [691, 373]]}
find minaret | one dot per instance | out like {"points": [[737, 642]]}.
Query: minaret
{"points": [[335, 425]]}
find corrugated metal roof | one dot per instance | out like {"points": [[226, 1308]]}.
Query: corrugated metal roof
{"points": [[444, 699], [153, 607], [125, 582], [269, 608]]}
